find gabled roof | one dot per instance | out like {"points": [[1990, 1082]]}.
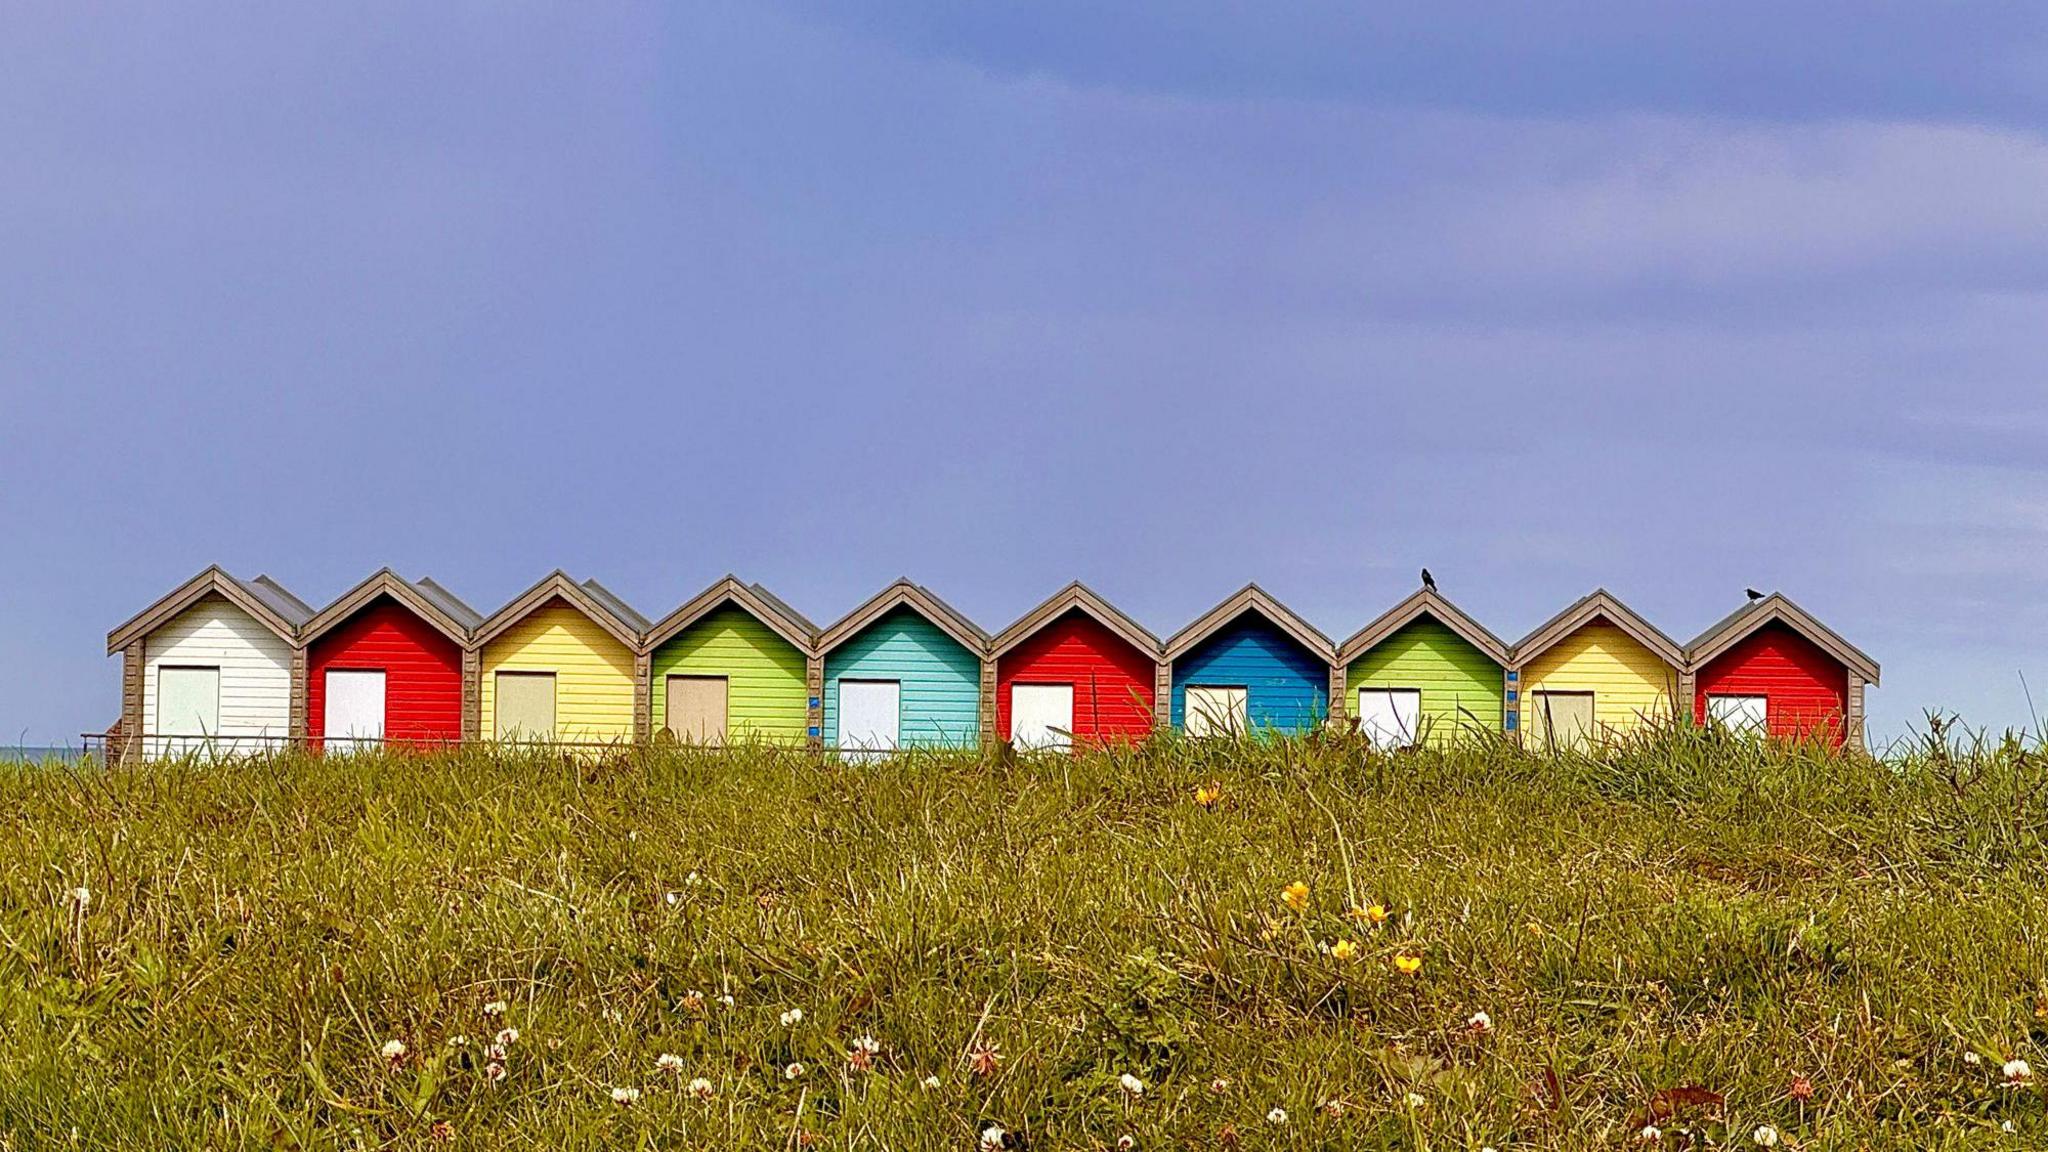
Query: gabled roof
{"points": [[918, 599], [385, 582], [262, 598], [619, 607], [455, 606], [1250, 598], [1424, 602], [1731, 629], [1075, 597], [749, 598], [558, 586], [1600, 604]]}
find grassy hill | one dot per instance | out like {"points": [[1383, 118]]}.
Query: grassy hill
{"points": [[1695, 935]]}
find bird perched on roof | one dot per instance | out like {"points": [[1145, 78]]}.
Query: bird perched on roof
{"points": [[1428, 581], [1753, 594]]}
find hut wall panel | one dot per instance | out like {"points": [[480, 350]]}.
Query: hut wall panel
{"points": [[1113, 681], [594, 686], [766, 697], [255, 674], [1807, 689], [1461, 686], [1630, 683], [941, 699], [1286, 687], [422, 673]]}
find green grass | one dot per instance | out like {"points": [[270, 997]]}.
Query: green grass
{"points": [[1685, 912]]}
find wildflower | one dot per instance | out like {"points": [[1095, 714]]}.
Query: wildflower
{"points": [[1414, 1100], [2018, 1072], [1126, 1142], [671, 898], [443, 1132], [81, 897], [1220, 1085], [669, 1062], [1480, 1023], [507, 1037], [625, 1097], [993, 1137], [984, 1058], [1408, 963], [1650, 1134], [1295, 896], [494, 1052], [726, 1001], [1343, 950], [792, 1018], [1972, 1059], [495, 1009], [1535, 929], [867, 1044], [793, 1071], [458, 1041], [1801, 1090], [2007, 1127], [495, 1072], [1208, 794], [862, 1055], [1765, 1136], [393, 1052], [1333, 1108], [693, 1001], [1131, 1084], [1277, 1117], [929, 1084], [693, 880], [702, 1089]]}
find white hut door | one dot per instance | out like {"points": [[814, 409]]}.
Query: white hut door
{"points": [[869, 712], [1042, 715], [355, 706]]}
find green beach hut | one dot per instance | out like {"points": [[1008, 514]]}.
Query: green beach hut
{"points": [[730, 666], [1424, 672]]}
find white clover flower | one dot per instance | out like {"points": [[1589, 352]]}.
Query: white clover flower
{"points": [[1220, 1085], [669, 1062], [1126, 1143], [693, 880], [930, 1084], [1277, 1117], [726, 1001], [1480, 1023], [495, 1009], [625, 1097], [1650, 1134], [458, 1041], [507, 1037], [1765, 1136], [1972, 1059], [792, 1018], [993, 1137], [1131, 1084], [494, 1071], [702, 1089], [81, 897], [671, 898], [793, 1071], [2007, 1127], [393, 1051], [2018, 1072], [1414, 1100], [867, 1044]]}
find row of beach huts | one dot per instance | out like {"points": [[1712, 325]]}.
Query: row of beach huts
{"points": [[231, 665]]}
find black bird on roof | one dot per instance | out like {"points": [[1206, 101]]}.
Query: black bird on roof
{"points": [[1428, 581], [1754, 595]]}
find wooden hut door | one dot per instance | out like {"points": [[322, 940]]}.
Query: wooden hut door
{"points": [[1565, 718], [869, 716], [1042, 716], [354, 709], [696, 709], [525, 705]]}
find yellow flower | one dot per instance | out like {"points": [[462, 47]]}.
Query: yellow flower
{"points": [[1208, 794], [1535, 929], [1343, 950], [1295, 896], [1376, 913], [1408, 963]]}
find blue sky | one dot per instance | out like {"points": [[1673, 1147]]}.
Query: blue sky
{"points": [[1666, 298]]}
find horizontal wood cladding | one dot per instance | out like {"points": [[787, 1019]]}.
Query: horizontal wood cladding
{"points": [[1286, 686], [594, 687], [766, 698], [1113, 681], [941, 681], [255, 666], [1461, 686], [1807, 690], [422, 673], [1630, 683]]}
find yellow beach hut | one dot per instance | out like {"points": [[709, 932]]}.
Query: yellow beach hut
{"points": [[560, 663], [1591, 672]]}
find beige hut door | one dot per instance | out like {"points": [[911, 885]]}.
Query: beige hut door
{"points": [[696, 709], [525, 705], [1565, 719]]}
